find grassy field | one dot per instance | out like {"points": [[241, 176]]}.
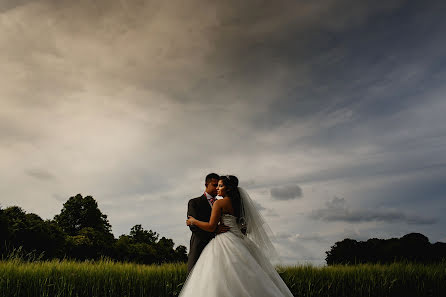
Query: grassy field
{"points": [[19, 278], [397, 279]]}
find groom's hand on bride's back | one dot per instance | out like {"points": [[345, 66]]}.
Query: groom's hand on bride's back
{"points": [[221, 228]]}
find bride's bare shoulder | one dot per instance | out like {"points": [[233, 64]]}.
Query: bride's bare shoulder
{"points": [[224, 203], [226, 200]]}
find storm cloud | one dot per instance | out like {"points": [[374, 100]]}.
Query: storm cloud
{"points": [[337, 210], [286, 192], [134, 102]]}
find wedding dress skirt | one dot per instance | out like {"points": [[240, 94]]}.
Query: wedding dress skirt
{"points": [[231, 265]]}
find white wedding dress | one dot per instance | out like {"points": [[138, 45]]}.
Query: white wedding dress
{"points": [[232, 265]]}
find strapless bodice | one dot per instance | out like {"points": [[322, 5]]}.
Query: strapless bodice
{"points": [[231, 221]]}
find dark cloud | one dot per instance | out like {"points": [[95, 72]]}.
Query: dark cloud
{"points": [[40, 173], [333, 94], [266, 211], [337, 210], [11, 4], [287, 192]]}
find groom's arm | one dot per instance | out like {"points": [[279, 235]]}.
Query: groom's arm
{"points": [[192, 211]]}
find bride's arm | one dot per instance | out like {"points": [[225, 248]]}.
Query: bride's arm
{"points": [[213, 221]]}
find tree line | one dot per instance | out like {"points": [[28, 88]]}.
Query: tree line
{"points": [[82, 232], [412, 247]]}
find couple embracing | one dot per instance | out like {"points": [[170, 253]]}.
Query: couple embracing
{"points": [[230, 247]]}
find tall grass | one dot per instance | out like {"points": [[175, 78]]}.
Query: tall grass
{"points": [[396, 279], [21, 277]]}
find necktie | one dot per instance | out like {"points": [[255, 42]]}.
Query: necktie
{"points": [[212, 200]]}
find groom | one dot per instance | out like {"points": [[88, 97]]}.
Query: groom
{"points": [[200, 208]]}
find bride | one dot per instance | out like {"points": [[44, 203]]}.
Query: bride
{"points": [[234, 263]]}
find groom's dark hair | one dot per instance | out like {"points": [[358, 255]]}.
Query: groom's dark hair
{"points": [[210, 177]]}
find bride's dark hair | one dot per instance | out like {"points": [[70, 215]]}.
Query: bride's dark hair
{"points": [[231, 183]]}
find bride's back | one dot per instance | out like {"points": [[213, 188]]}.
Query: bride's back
{"points": [[226, 206]]}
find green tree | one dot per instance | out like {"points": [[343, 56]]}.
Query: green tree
{"points": [[181, 254], [32, 233], [142, 246], [82, 232], [87, 228], [4, 232], [78, 213], [139, 235], [121, 248], [88, 244], [412, 247], [165, 251]]}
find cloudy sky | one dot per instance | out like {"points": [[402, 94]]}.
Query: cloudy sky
{"points": [[331, 113]]}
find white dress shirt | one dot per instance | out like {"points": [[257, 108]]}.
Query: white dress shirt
{"points": [[209, 197]]}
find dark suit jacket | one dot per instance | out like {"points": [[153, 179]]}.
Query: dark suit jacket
{"points": [[200, 209]]}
